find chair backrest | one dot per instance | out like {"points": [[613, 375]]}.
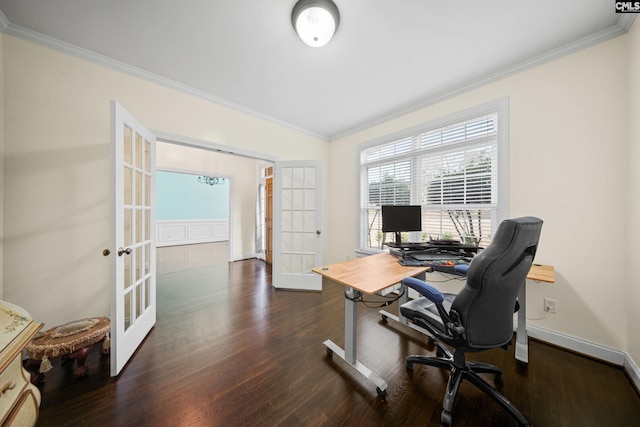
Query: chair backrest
{"points": [[486, 302]]}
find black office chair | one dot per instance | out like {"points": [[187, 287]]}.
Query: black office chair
{"points": [[480, 316]]}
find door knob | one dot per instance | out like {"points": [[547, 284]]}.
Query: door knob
{"points": [[106, 252], [124, 251], [318, 232]]}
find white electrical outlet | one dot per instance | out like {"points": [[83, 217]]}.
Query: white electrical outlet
{"points": [[550, 305]]}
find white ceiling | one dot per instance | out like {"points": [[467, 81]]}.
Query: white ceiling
{"points": [[388, 57]]}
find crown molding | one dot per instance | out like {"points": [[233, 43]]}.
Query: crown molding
{"points": [[4, 23], [622, 27], [79, 52]]}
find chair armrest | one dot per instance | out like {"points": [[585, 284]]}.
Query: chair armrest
{"points": [[451, 321], [461, 268], [424, 289]]}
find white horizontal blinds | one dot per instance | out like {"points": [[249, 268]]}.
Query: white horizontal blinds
{"points": [[451, 171], [386, 180], [390, 184], [459, 175]]}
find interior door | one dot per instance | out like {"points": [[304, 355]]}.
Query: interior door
{"points": [[269, 220], [297, 225], [133, 289]]}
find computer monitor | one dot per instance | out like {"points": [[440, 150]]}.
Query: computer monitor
{"points": [[398, 219]]}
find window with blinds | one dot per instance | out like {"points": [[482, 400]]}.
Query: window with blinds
{"points": [[451, 171]]}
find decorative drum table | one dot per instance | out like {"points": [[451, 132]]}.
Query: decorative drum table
{"points": [[72, 340]]}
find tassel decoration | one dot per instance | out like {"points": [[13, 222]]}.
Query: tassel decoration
{"points": [[45, 365], [106, 344]]}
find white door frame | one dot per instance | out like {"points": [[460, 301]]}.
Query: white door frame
{"points": [[184, 141]]}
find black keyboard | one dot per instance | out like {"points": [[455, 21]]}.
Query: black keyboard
{"points": [[426, 256]]}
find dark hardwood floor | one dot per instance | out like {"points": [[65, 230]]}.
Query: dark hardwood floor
{"points": [[229, 350]]}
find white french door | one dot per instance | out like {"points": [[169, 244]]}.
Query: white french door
{"points": [[133, 288], [297, 224]]}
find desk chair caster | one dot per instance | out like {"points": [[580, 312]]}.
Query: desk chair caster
{"points": [[445, 418]]}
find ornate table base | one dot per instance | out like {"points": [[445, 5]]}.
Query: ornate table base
{"points": [[71, 341]]}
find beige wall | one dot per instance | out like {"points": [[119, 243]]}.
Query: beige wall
{"points": [[243, 173], [631, 295], [568, 151], [57, 206], [1, 164]]}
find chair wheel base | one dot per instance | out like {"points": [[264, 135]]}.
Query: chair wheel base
{"points": [[445, 418]]}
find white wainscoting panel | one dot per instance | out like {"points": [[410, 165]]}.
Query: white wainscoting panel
{"points": [[185, 232]]}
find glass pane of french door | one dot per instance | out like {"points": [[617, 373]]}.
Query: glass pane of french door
{"points": [[137, 231]]}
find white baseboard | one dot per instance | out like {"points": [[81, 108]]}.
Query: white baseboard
{"points": [[632, 369], [587, 348], [578, 345], [247, 256]]}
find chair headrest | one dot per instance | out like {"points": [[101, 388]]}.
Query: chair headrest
{"points": [[514, 239]]}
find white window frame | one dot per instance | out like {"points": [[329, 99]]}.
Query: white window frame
{"points": [[499, 107]]}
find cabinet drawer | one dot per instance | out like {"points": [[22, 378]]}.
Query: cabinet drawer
{"points": [[12, 383], [25, 413]]}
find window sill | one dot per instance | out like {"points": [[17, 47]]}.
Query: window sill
{"points": [[360, 253]]}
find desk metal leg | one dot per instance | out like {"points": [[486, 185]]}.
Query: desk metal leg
{"points": [[522, 340], [350, 341], [350, 325]]}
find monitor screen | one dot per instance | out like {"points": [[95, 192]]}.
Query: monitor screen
{"points": [[401, 218]]}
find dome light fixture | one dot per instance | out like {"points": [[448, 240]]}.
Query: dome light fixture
{"points": [[315, 21]]}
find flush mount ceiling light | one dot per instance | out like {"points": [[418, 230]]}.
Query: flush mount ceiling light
{"points": [[315, 21]]}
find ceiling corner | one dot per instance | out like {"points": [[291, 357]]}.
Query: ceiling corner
{"points": [[625, 20]]}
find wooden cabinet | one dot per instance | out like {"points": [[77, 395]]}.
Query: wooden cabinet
{"points": [[19, 399]]}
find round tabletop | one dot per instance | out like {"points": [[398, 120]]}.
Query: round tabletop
{"points": [[70, 337]]}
